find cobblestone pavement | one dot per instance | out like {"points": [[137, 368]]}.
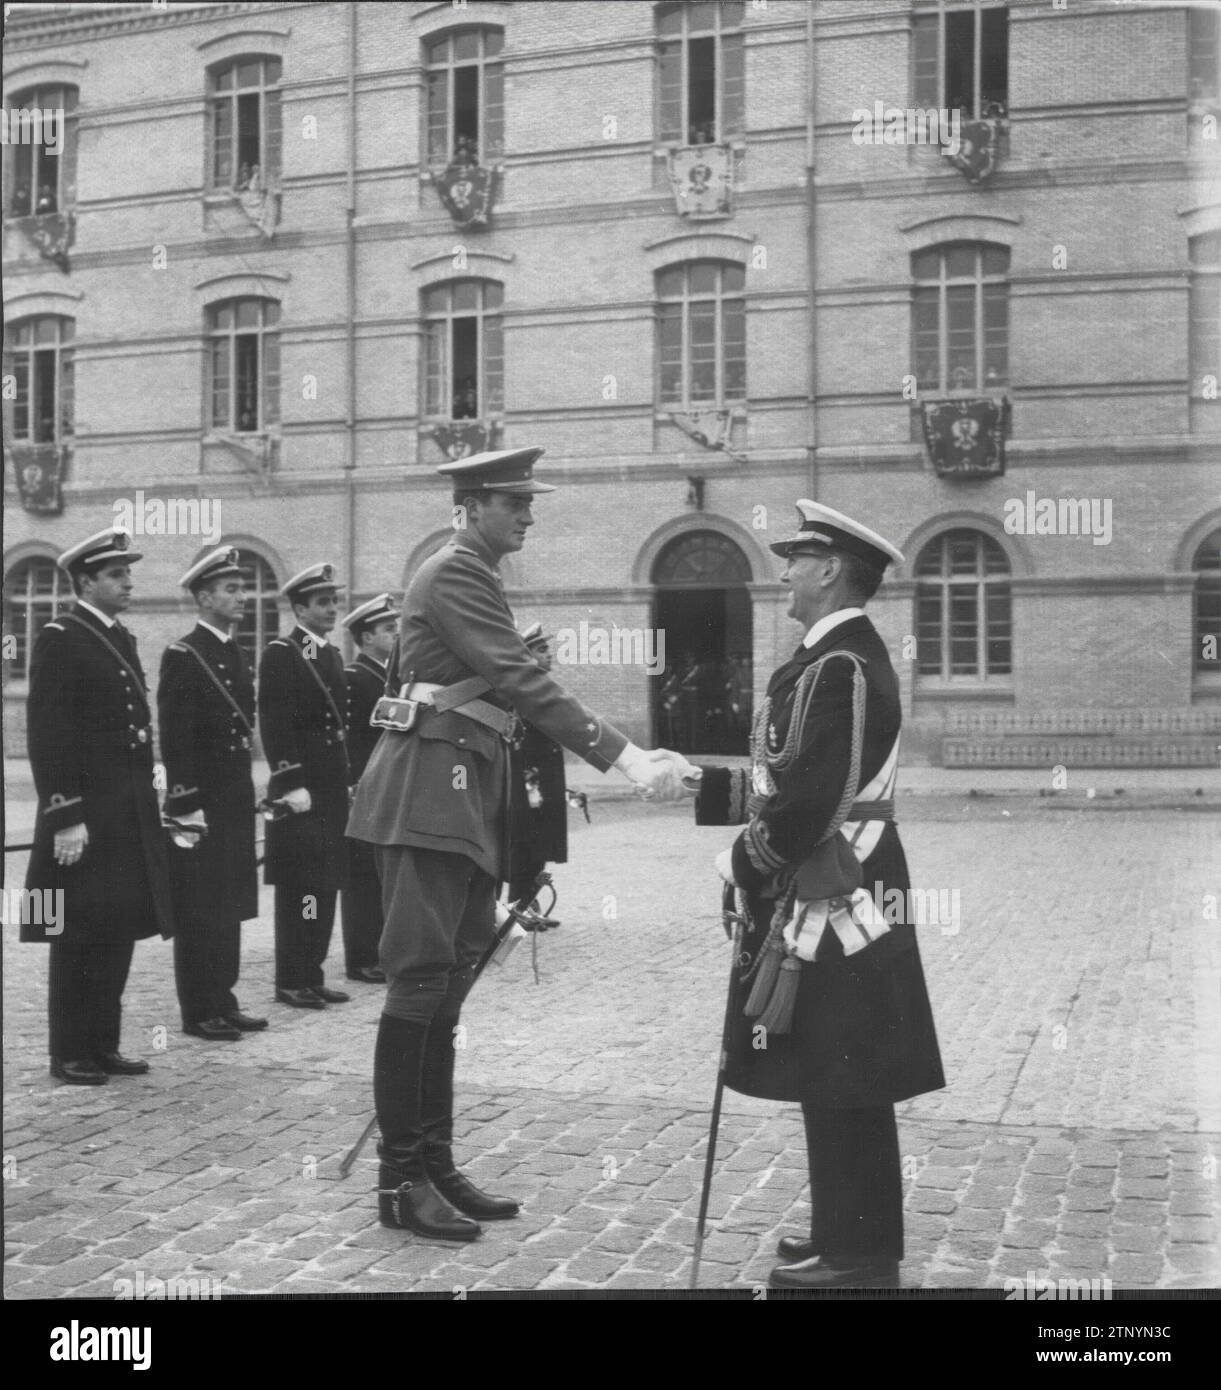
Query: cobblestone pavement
{"points": [[1076, 998]]}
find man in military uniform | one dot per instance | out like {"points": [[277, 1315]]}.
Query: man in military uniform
{"points": [[373, 626], [301, 703], [205, 703], [98, 839], [830, 1007], [433, 803]]}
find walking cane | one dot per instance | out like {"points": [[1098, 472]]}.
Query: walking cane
{"points": [[733, 921], [515, 916]]}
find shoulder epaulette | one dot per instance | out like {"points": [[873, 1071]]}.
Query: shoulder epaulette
{"points": [[57, 627]]}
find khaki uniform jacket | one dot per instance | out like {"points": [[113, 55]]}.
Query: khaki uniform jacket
{"points": [[442, 786]]}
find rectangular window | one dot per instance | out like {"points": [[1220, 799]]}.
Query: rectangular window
{"points": [[464, 97], [38, 356], [464, 350], [701, 335], [960, 318], [244, 366], [39, 182], [1204, 54], [960, 59], [700, 73], [244, 127]]}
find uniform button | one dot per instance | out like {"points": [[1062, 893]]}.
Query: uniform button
{"points": [[462, 740]]}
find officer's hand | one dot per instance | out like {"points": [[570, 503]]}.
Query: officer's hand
{"points": [[297, 801], [724, 865], [70, 844], [185, 841]]}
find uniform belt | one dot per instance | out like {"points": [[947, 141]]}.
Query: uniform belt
{"points": [[503, 721], [871, 810]]}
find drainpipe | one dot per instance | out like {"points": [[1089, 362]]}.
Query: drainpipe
{"points": [[349, 464], [811, 258]]}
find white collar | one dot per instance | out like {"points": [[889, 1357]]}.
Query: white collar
{"points": [[824, 625], [215, 631], [103, 618], [313, 636]]}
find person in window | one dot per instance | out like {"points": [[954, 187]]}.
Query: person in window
{"points": [[466, 400], [21, 201], [465, 151], [47, 201]]}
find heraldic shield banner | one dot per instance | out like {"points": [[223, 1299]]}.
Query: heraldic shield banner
{"points": [[701, 178], [39, 470], [966, 438], [975, 154], [466, 190]]}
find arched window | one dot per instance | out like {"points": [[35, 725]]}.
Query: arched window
{"points": [[40, 151], [700, 75], [34, 591], [964, 619], [261, 616], [463, 350], [244, 124], [243, 365], [1204, 318], [466, 93], [701, 334], [960, 318], [38, 356], [1207, 605]]}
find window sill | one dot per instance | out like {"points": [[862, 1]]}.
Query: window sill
{"points": [[1002, 694]]}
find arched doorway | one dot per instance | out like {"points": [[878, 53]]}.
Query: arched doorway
{"points": [[703, 702]]}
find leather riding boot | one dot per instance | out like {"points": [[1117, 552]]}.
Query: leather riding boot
{"points": [[407, 1200], [437, 1110]]}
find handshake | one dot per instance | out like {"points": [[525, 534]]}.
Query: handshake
{"points": [[659, 774]]}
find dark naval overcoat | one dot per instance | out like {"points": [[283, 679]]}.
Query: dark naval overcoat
{"points": [[207, 723], [443, 786], [366, 684], [301, 702], [863, 1030], [91, 751]]}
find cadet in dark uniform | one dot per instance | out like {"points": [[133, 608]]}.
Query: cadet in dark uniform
{"points": [[301, 703], [433, 803], [205, 703], [538, 833], [373, 627], [830, 1008], [98, 837]]}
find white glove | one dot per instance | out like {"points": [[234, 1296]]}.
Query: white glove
{"points": [[724, 865], [298, 801], [656, 774], [189, 841], [70, 844]]}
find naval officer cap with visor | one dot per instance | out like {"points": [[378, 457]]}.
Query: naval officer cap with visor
{"points": [[822, 528]]}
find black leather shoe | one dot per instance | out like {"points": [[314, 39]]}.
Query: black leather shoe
{"points": [[368, 975], [214, 1029], [461, 1193], [818, 1274], [300, 998], [79, 1073], [330, 996], [115, 1064], [244, 1023], [793, 1248], [416, 1205]]}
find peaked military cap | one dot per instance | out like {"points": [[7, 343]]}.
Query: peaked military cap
{"points": [[534, 636], [821, 528], [502, 470], [374, 610], [220, 564], [99, 549], [301, 587]]}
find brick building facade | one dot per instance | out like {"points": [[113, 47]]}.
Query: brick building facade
{"points": [[293, 256]]}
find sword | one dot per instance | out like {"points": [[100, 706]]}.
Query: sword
{"points": [[514, 916], [733, 922]]}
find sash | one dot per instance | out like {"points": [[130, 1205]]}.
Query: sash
{"points": [[212, 676], [114, 651], [321, 684]]}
